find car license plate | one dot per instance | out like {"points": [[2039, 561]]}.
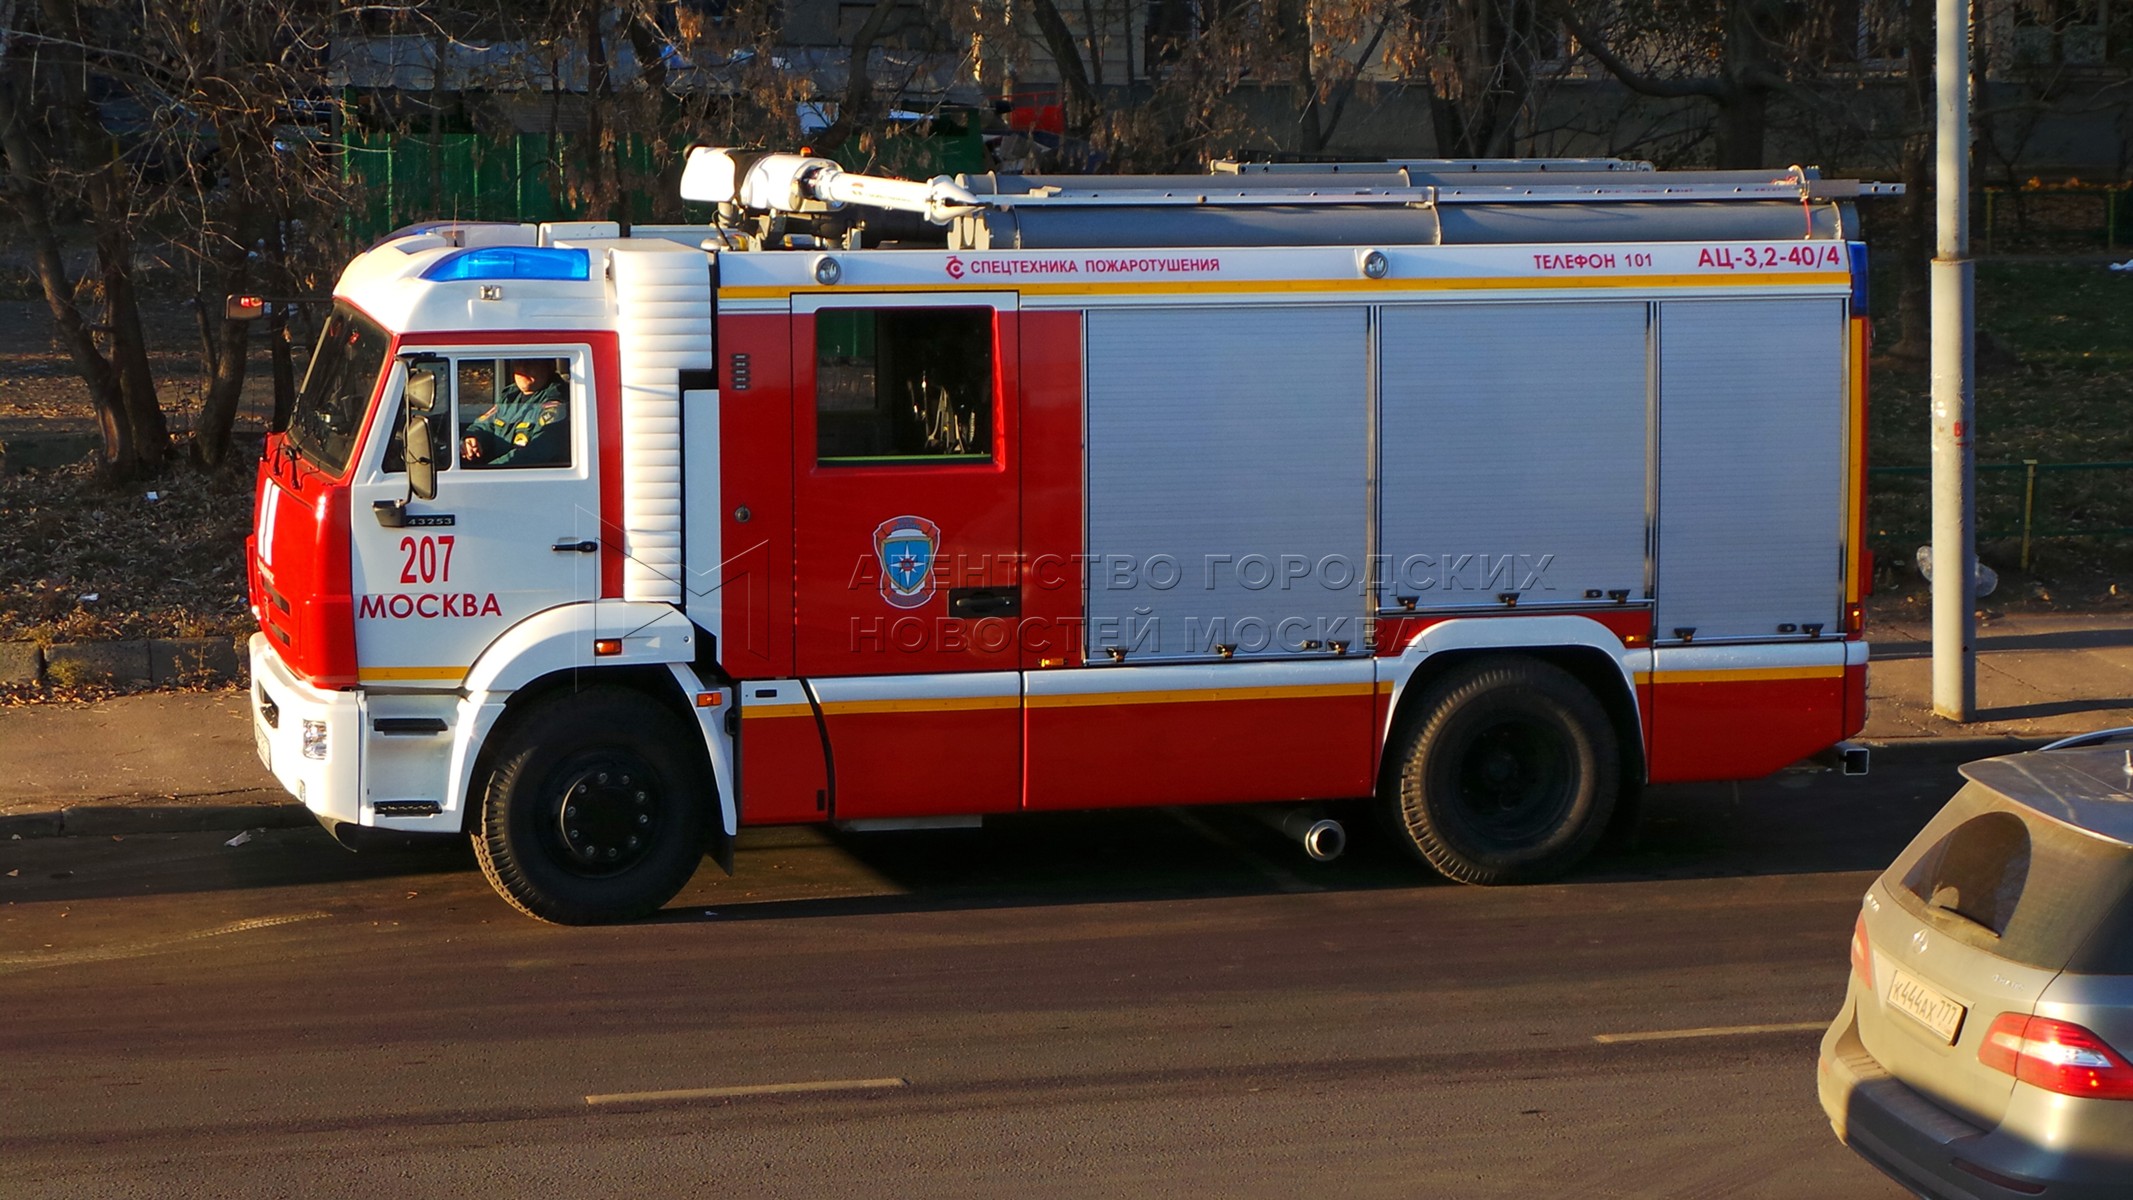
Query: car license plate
{"points": [[260, 743], [1927, 1005]]}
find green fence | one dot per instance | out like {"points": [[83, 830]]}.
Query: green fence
{"points": [[2017, 502], [402, 178], [2054, 220]]}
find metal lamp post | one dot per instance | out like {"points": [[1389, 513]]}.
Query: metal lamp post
{"points": [[1954, 393]]}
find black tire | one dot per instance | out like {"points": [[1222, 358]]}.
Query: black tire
{"points": [[594, 811], [1506, 773]]}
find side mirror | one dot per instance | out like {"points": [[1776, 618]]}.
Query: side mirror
{"points": [[421, 469], [421, 390]]}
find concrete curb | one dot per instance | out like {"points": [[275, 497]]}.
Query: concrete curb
{"points": [[1952, 750], [142, 660], [272, 811]]}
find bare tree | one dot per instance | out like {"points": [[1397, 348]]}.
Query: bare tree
{"points": [[1734, 55], [1310, 64], [1479, 59], [64, 162], [195, 95], [258, 220]]}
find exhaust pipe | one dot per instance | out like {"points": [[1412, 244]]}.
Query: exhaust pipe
{"points": [[1321, 836], [1847, 758]]}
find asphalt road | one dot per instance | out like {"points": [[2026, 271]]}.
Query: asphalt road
{"points": [[1113, 1005]]}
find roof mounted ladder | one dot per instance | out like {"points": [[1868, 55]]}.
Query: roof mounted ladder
{"points": [[1797, 184]]}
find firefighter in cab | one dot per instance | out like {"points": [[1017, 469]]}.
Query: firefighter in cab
{"points": [[528, 427]]}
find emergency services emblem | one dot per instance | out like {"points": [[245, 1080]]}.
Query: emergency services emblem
{"points": [[905, 546]]}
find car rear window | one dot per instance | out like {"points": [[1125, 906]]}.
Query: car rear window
{"points": [[1995, 875]]}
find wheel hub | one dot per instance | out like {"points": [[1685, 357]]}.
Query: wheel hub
{"points": [[1514, 778], [607, 815]]}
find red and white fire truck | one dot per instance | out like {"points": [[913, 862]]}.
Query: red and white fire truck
{"points": [[1491, 490]]}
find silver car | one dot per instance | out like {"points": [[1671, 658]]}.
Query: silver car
{"points": [[1983, 1048]]}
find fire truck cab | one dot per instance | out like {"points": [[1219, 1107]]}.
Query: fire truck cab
{"points": [[1490, 490]]}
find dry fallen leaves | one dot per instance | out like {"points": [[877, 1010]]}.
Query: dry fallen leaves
{"points": [[173, 567]]}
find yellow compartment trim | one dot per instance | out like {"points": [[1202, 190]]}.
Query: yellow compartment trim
{"points": [[756, 712], [1745, 675], [1204, 695], [399, 674], [931, 704]]}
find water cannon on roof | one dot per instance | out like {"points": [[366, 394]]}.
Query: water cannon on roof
{"points": [[794, 183]]}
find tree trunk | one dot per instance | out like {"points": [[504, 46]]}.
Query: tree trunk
{"points": [[1743, 120], [604, 198], [121, 388], [49, 262], [1080, 98], [1293, 31], [122, 311], [857, 109], [243, 247], [1492, 66], [225, 387], [118, 452]]}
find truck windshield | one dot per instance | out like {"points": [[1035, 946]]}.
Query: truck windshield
{"points": [[335, 398]]}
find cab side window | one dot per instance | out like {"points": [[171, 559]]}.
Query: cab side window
{"points": [[903, 385], [514, 412]]}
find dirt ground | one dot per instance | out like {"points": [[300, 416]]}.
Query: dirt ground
{"points": [[86, 560]]}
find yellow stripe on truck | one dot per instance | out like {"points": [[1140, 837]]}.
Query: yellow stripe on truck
{"points": [[753, 712], [932, 704], [1196, 695], [397, 674], [1744, 675], [845, 708]]}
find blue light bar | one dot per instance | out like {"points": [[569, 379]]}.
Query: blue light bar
{"points": [[1859, 295], [511, 262]]}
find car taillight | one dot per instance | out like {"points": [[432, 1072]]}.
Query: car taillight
{"points": [[1862, 955], [2058, 1056]]}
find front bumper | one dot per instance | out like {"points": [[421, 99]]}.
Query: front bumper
{"points": [[281, 705], [1917, 1143]]}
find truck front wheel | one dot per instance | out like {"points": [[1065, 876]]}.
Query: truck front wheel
{"points": [[594, 811], [1506, 772]]}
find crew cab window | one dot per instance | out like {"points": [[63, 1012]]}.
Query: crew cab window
{"points": [[903, 385]]}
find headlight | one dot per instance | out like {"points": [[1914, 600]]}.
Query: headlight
{"points": [[315, 739]]}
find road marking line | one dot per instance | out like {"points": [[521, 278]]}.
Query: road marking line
{"points": [[25, 962], [750, 1089], [1708, 1031]]}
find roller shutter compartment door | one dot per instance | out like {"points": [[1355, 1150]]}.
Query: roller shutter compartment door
{"points": [[1751, 438], [1512, 453], [1226, 462]]}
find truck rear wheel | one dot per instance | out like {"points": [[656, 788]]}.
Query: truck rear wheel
{"points": [[594, 811], [1506, 773]]}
